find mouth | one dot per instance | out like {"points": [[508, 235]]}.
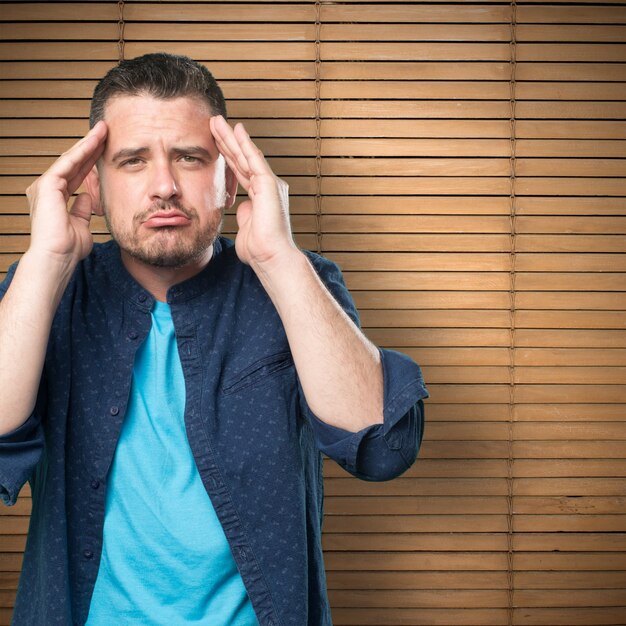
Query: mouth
{"points": [[162, 219]]}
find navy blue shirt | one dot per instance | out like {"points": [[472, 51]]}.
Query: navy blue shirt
{"points": [[254, 439]]}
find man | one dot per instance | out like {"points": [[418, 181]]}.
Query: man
{"points": [[167, 394]]}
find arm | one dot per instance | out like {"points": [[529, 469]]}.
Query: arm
{"points": [[380, 451], [339, 369], [59, 239]]}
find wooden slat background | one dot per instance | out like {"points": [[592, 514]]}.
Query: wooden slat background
{"points": [[516, 511]]}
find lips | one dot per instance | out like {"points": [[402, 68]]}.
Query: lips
{"points": [[167, 218]]}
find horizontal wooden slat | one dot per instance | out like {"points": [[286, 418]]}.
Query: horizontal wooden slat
{"points": [[424, 14], [224, 70], [569, 580], [573, 15], [64, 11], [424, 561], [570, 33], [606, 52], [567, 598], [106, 51], [423, 599], [612, 320], [409, 542], [414, 524], [271, 90], [567, 468], [546, 262], [394, 51], [158, 32], [422, 71], [478, 580], [52, 11], [416, 580], [548, 71], [466, 90], [417, 32]]}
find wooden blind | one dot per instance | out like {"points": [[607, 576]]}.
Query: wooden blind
{"points": [[464, 164]]}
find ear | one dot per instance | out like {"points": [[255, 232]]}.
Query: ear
{"points": [[92, 185], [231, 187]]}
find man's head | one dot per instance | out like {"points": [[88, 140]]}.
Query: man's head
{"points": [[161, 183], [162, 76]]}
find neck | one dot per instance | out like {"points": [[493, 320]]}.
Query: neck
{"points": [[158, 280]]}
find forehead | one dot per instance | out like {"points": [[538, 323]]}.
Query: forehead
{"points": [[144, 117]]}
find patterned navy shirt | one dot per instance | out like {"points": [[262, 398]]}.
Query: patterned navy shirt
{"points": [[255, 441]]}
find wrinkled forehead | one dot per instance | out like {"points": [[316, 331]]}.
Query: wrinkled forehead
{"points": [[146, 120]]}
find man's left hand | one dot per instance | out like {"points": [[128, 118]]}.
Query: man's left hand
{"points": [[264, 235]]}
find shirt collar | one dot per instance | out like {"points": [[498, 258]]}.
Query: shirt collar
{"points": [[125, 286]]}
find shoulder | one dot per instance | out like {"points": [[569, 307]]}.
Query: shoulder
{"points": [[98, 260], [330, 274], [323, 266]]}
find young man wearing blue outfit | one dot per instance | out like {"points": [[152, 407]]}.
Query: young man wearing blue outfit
{"points": [[168, 394]]}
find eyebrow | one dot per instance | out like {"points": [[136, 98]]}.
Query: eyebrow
{"points": [[124, 153]]}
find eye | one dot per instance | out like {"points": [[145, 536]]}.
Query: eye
{"points": [[188, 158], [134, 162]]}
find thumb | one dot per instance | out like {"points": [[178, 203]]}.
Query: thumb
{"points": [[82, 207], [243, 213]]}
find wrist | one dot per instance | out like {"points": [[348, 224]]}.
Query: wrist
{"points": [[280, 265], [48, 272]]}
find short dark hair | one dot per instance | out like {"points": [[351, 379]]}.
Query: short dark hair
{"points": [[159, 75]]}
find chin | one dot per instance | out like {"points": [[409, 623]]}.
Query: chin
{"points": [[173, 256]]}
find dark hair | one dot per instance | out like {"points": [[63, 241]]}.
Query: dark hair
{"points": [[159, 75]]}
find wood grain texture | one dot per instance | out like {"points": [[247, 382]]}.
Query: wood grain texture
{"points": [[519, 324]]}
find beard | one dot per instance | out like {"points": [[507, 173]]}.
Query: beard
{"points": [[168, 246]]}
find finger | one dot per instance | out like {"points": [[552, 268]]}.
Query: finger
{"points": [[242, 179], [80, 158], [91, 155], [242, 176], [82, 147], [254, 157], [244, 211], [82, 207], [75, 182], [228, 145]]}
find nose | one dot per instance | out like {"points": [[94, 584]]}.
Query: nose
{"points": [[164, 184]]}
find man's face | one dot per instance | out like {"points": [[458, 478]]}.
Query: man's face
{"points": [[162, 182]]}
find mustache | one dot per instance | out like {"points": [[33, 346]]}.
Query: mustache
{"points": [[166, 205]]}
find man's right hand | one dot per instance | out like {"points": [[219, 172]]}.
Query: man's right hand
{"points": [[57, 233], [59, 239]]}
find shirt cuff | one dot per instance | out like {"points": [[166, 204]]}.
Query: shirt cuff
{"points": [[381, 451], [20, 451]]}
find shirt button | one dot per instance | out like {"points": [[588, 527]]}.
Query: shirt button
{"points": [[95, 484], [243, 554], [88, 554], [114, 410], [142, 297], [132, 334]]}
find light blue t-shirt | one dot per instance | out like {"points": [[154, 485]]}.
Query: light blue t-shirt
{"points": [[165, 558]]}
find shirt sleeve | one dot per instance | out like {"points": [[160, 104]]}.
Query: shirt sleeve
{"points": [[380, 451], [20, 450]]}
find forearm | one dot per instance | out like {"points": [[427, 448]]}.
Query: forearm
{"points": [[26, 314], [338, 367]]}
